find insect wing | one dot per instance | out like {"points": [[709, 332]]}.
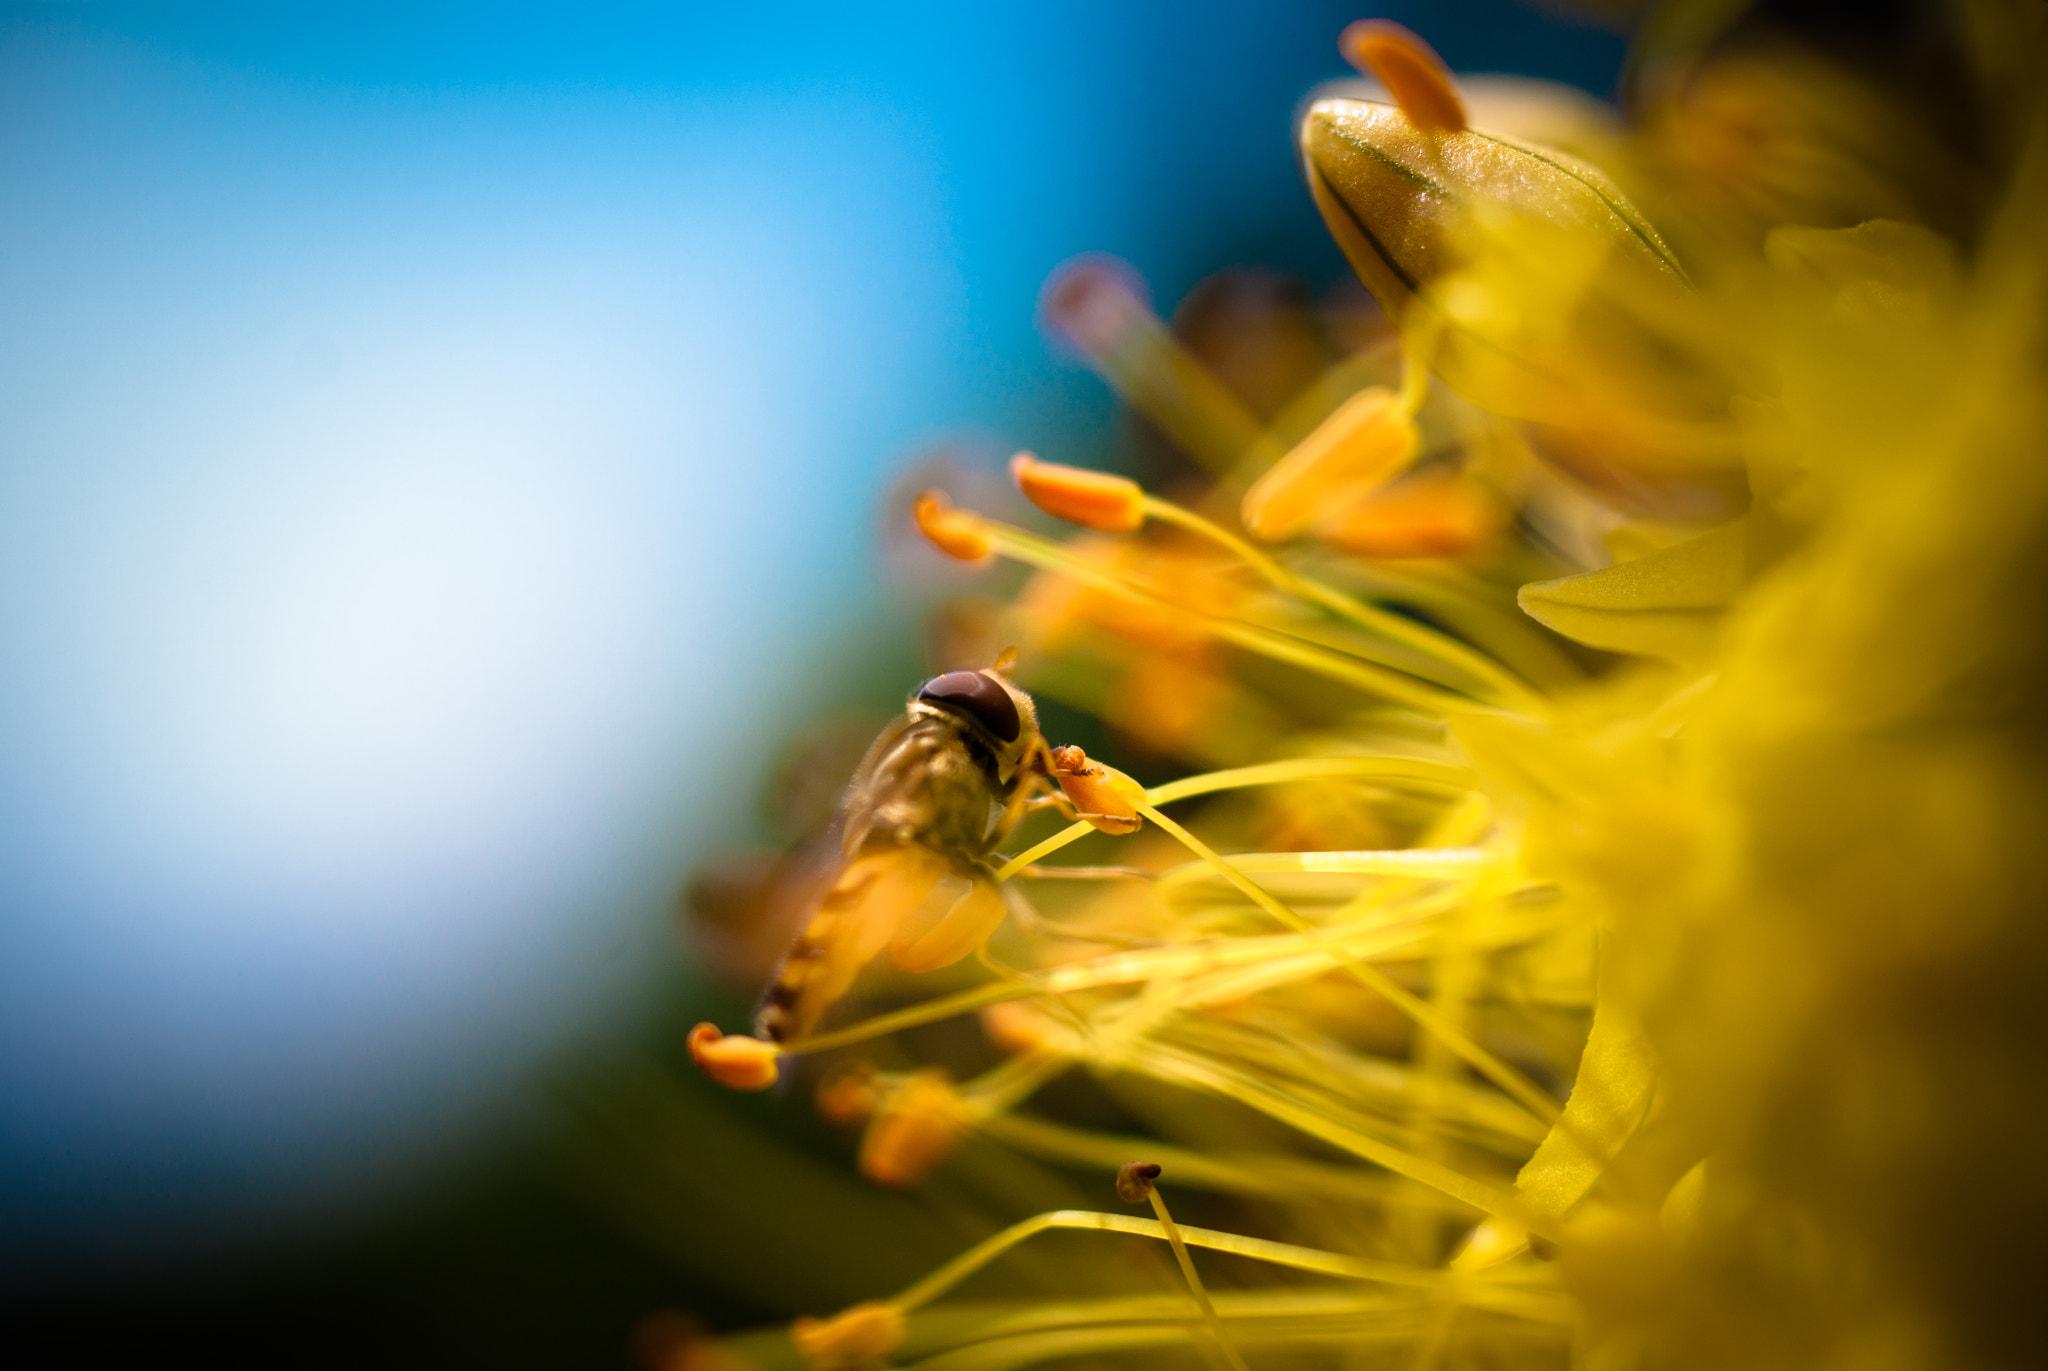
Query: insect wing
{"points": [[866, 906], [911, 831]]}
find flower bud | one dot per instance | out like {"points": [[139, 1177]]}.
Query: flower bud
{"points": [[914, 1131], [1408, 208], [955, 532], [736, 1062], [1365, 440], [854, 1337], [1103, 797], [1092, 499], [1537, 291]]}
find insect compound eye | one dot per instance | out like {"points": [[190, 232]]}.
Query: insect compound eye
{"points": [[980, 697]]}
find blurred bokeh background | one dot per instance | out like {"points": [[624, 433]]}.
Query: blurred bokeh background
{"points": [[439, 465]]}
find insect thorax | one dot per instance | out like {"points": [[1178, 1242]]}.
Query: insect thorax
{"points": [[932, 784]]}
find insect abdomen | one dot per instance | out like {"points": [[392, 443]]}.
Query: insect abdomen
{"points": [[916, 812], [867, 906]]}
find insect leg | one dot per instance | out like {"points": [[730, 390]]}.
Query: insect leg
{"points": [[1033, 772], [1037, 925]]}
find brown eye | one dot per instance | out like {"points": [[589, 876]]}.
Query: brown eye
{"points": [[979, 697]]}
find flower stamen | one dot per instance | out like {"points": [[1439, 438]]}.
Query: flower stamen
{"points": [[1103, 798], [735, 1061], [1387, 682], [855, 1337], [1136, 1181], [1518, 1086], [1430, 515], [956, 532], [1410, 70], [914, 1129], [1094, 304], [1399, 628], [1363, 443], [1092, 499]]}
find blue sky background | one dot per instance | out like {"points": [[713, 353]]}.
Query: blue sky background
{"points": [[440, 443]]}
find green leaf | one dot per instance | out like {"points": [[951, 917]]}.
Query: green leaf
{"points": [[1616, 1081], [1667, 604], [1617, 1076]]}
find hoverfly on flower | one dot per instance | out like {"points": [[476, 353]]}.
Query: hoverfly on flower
{"points": [[908, 854], [911, 843], [1607, 925]]}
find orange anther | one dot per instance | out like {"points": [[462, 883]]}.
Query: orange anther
{"points": [[737, 1062], [1102, 797], [669, 1340], [854, 1337], [1014, 1027], [848, 1095], [1410, 70], [916, 1129], [1168, 701], [1092, 499], [1422, 516], [1097, 303], [955, 532], [1365, 440], [1134, 1181]]}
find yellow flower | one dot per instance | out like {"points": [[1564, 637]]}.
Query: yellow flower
{"points": [[1613, 932]]}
